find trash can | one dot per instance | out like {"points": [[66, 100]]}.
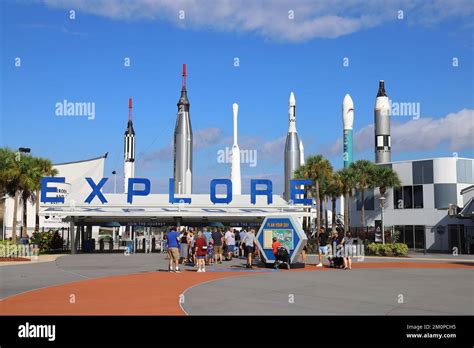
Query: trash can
{"points": [[130, 246]]}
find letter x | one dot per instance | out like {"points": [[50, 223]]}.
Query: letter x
{"points": [[96, 190]]}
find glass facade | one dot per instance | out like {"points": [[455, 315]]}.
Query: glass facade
{"points": [[422, 172], [412, 236], [408, 197], [368, 198]]}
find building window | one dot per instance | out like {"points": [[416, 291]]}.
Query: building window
{"points": [[464, 171], [398, 198], [419, 237], [422, 172], [418, 196], [444, 194], [408, 236], [368, 198], [407, 197]]}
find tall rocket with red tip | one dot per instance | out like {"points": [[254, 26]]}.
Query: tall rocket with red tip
{"points": [[183, 144]]}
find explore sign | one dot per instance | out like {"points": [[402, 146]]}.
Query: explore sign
{"points": [[142, 187]]}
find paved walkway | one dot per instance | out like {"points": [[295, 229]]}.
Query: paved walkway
{"points": [[115, 284]]}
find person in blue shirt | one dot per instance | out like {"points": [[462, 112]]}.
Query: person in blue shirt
{"points": [[172, 241]]}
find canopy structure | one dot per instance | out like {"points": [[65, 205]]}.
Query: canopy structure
{"points": [[155, 208]]}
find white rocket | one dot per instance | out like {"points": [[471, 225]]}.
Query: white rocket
{"points": [[235, 171], [292, 147], [129, 149]]}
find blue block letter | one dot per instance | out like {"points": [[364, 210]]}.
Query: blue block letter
{"points": [[228, 184], [132, 192], [96, 190], [254, 191], [45, 189], [295, 190]]}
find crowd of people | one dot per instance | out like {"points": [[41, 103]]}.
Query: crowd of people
{"points": [[200, 247]]}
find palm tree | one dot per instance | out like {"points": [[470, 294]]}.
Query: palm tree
{"points": [[334, 190], [15, 171], [317, 168], [42, 167], [364, 175], [348, 184], [384, 178]]}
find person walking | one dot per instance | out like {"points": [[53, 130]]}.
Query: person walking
{"points": [[249, 242], [217, 242], [230, 243], [201, 252], [323, 248], [242, 252], [191, 247], [183, 246], [172, 241], [348, 244]]}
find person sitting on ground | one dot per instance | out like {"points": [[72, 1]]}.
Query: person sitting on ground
{"points": [[323, 249], [201, 251], [172, 241]]}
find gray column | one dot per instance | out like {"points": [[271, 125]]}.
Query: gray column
{"points": [[72, 238]]}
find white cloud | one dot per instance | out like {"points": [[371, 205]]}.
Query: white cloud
{"points": [[426, 133], [270, 18]]}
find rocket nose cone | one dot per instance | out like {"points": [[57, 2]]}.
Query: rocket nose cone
{"points": [[348, 101], [292, 100]]}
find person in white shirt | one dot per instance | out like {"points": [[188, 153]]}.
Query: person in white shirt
{"points": [[250, 244], [229, 238]]}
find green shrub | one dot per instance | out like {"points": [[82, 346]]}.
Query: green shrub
{"points": [[400, 249], [47, 241], [394, 249]]}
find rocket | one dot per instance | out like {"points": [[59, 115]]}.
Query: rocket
{"points": [[235, 171], [292, 147], [301, 153], [129, 149], [383, 152], [347, 122], [183, 144]]}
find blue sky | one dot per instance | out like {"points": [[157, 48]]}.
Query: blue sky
{"points": [[82, 60]]}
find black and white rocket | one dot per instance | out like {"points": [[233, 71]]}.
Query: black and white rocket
{"points": [[183, 144], [129, 149], [383, 152], [293, 147]]}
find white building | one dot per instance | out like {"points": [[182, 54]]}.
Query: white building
{"points": [[74, 174], [420, 209]]}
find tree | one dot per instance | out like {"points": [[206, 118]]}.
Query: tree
{"points": [[364, 174], [20, 178], [334, 190], [348, 184], [384, 178], [43, 167], [317, 168]]}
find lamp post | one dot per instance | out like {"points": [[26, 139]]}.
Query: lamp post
{"points": [[382, 203]]}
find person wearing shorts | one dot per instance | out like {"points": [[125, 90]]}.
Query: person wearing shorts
{"points": [[172, 239], [217, 241], [323, 247], [249, 242], [230, 242], [201, 252]]}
